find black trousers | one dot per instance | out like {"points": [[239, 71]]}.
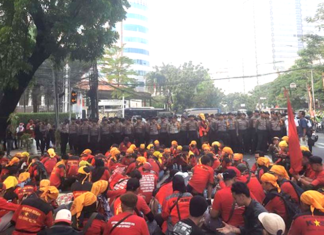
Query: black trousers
{"points": [[242, 140], [183, 138], [233, 140], [153, 137], [117, 138], [139, 138], [64, 141], [223, 136], [44, 144], [130, 137], [83, 142], [164, 139], [94, 143], [174, 137], [105, 143], [253, 136], [262, 140], [73, 142], [192, 135]]}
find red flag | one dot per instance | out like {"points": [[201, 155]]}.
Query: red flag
{"points": [[294, 147]]}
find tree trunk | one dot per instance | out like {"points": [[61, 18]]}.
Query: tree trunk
{"points": [[35, 97], [94, 91]]}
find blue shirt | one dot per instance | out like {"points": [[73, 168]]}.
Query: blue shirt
{"points": [[302, 126]]}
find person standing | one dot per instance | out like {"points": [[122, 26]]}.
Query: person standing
{"points": [[30, 128], [43, 128], [73, 136], [94, 135], [192, 129], [84, 135], [233, 140], [116, 129], [139, 132], [242, 128], [203, 128], [64, 134], [163, 136], [253, 131], [262, 131], [105, 135], [128, 130], [275, 126], [174, 129], [222, 130], [302, 129], [183, 134], [38, 134], [153, 130], [9, 139]]}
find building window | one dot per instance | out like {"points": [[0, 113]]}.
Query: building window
{"points": [[136, 50], [138, 6], [136, 28], [136, 39], [141, 72], [136, 16], [142, 62]]}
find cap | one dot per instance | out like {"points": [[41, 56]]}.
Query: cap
{"points": [[229, 174], [198, 205], [63, 215], [275, 138], [272, 223], [315, 160]]}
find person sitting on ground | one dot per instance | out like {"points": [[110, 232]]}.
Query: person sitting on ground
{"points": [[224, 205], [49, 161], [253, 209], [264, 165], [62, 225], [25, 186], [287, 186], [272, 224], [83, 208], [310, 222], [257, 154], [6, 206], [82, 184], [35, 212], [190, 226], [58, 174], [176, 206], [132, 163], [100, 172], [238, 159], [141, 208], [148, 182], [127, 222], [193, 148], [202, 178], [272, 202], [10, 194]]}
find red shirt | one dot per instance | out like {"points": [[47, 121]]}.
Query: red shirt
{"points": [[105, 176], [194, 150], [223, 202], [33, 215], [319, 179], [254, 168], [97, 226], [49, 164], [6, 206], [255, 187], [131, 167], [165, 191], [202, 175], [28, 189], [289, 189], [276, 205], [114, 178], [307, 225], [113, 194], [155, 165], [123, 147], [133, 225], [141, 206], [183, 203], [147, 185], [57, 174], [309, 172]]}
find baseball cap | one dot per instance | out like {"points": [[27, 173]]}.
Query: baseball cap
{"points": [[272, 223], [63, 215]]}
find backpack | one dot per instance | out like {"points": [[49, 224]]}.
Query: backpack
{"points": [[103, 206], [41, 172], [292, 208], [298, 189]]}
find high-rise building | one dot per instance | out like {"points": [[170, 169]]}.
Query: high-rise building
{"points": [[134, 35]]}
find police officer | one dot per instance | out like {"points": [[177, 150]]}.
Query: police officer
{"points": [[94, 135], [64, 134], [192, 129], [221, 128], [153, 130], [262, 132], [163, 136], [253, 131], [232, 125], [116, 129], [128, 130], [73, 136], [183, 134], [242, 128], [174, 129], [139, 132], [105, 135], [84, 135], [275, 126]]}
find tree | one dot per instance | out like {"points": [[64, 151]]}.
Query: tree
{"points": [[117, 70], [32, 30]]}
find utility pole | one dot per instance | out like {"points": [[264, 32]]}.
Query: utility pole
{"points": [[312, 82], [56, 98]]}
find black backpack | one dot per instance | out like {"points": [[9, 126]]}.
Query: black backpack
{"points": [[292, 208], [298, 189]]}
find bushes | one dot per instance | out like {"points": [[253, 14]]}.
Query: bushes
{"points": [[24, 117]]}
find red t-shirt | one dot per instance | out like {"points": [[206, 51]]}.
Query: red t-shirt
{"points": [[165, 191], [113, 194], [307, 225], [255, 187], [6, 206], [130, 168], [289, 189], [97, 226], [319, 179], [105, 176], [276, 205], [202, 175], [309, 172], [133, 225], [155, 166], [147, 185], [49, 164], [223, 202], [115, 178], [183, 204], [141, 206], [57, 174]]}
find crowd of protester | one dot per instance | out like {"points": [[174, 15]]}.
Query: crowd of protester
{"points": [[190, 180]]}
